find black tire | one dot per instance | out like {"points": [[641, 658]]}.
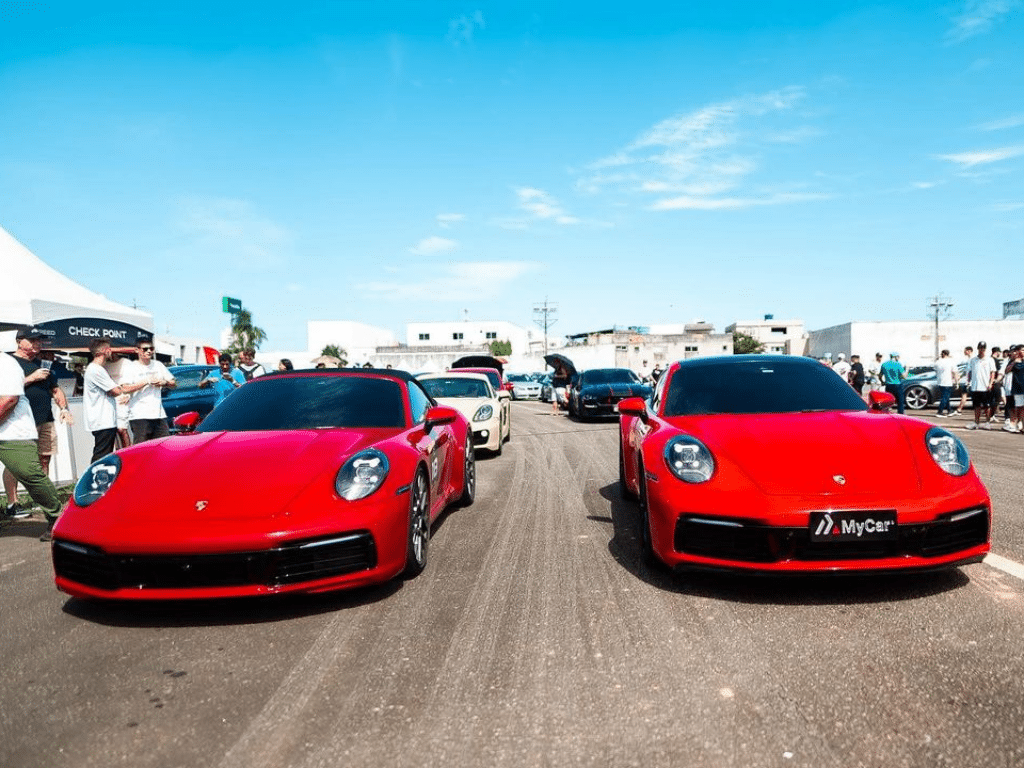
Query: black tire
{"points": [[468, 474], [624, 490], [916, 397], [418, 535], [646, 546]]}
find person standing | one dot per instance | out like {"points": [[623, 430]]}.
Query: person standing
{"points": [[19, 451], [224, 381], [857, 374], [146, 414], [1015, 372], [42, 391], [981, 372], [946, 377], [842, 368], [101, 392], [968, 354], [892, 374], [248, 366], [874, 374]]}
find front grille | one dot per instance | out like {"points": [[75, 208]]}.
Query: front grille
{"points": [[752, 543], [293, 563]]}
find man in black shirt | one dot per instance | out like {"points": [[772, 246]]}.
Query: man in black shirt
{"points": [[857, 374]]}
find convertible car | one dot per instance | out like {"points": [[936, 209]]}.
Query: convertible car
{"points": [[301, 481], [471, 393], [773, 463]]}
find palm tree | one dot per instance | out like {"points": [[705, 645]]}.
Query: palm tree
{"points": [[244, 334]]}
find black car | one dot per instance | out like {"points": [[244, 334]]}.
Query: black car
{"points": [[921, 390], [597, 392], [187, 396]]}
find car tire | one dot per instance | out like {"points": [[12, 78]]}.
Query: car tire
{"points": [[646, 544], [468, 474], [418, 535], [624, 490], [916, 397]]}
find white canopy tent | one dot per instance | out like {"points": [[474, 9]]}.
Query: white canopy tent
{"points": [[33, 293]]}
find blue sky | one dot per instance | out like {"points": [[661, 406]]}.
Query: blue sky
{"points": [[632, 163]]}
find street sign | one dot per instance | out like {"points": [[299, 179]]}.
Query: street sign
{"points": [[228, 304]]}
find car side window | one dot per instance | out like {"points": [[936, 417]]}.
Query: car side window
{"points": [[658, 392], [419, 402]]}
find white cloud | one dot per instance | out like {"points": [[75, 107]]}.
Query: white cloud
{"points": [[540, 205], [925, 184], [445, 220], [1014, 121], [983, 156], [228, 229], [705, 153], [461, 29], [733, 203], [456, 282], [978, 17], [431, 245]]}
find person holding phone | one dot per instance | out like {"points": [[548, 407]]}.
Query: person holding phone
{"points": [[42, 392], [225, 380]]}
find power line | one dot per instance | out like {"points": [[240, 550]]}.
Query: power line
{"points": [[544, 316]]}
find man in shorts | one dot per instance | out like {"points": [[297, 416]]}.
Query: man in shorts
{"points": [[42, 391], [981, 373]]}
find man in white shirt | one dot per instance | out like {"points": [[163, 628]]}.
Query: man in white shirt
{"points": [[842, 367], [19, 451], [946, 378], [98, 398], [981, 373], [146, 413]]}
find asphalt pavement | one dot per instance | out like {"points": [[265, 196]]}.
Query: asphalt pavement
{"points": [[535, 637]]}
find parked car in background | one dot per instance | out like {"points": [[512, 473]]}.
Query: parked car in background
{"points": [[597, 392], [187, 396], [547, 392], [489, 415], [524, 387], [922, 389]]}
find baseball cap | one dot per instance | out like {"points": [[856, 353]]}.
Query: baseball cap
{"points": [[29, 332]]}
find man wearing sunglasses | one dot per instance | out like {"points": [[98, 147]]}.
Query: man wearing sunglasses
{"points": [[146, 414]]}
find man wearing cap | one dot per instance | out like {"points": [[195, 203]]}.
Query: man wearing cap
{"points": [[42, 391], [981, 373], [892, 374], [19, 451]]}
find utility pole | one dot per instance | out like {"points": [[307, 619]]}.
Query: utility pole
{"points": [[940, 307], [544, 316]]}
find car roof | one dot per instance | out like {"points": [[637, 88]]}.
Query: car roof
{"points": [[457, 373]]}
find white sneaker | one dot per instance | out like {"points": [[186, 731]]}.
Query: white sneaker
{"points": [[1008, 427], [986, 425], [970, 425]]}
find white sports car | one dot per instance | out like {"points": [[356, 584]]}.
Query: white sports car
{"points": [[489, 412]]}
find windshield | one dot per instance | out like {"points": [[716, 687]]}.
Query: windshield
{"points": [[775, 386], [456, 387], [188, 380], [309, 402], [609, 376]]}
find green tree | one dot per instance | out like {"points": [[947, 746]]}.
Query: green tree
{"points": [[244, 334], [499, 348], [745, 344], [335, 351]]}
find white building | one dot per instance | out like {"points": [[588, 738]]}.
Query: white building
{"points": [[470, 333], [779, 337], [914, 340], [360, 341]]}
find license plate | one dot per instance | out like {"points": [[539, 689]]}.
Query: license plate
{"points": [[853, 526]]}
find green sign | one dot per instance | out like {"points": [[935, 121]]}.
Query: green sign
{"points": [[228, 304]]}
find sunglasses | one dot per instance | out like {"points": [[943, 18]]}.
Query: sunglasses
{"points": [[145, 349]]}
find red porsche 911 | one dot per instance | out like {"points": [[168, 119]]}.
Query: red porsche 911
{"points": [[301, 481], [773, 463]]}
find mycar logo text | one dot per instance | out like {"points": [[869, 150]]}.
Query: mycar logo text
{"points": [[847, 527]]}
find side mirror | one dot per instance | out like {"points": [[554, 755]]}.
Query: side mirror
{"points": [[187, 422], [881, 401], [440, 415], [633, 406]]}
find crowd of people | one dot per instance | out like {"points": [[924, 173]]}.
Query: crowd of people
{"points": [[993, 383]]}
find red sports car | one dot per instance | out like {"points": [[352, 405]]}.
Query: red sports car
{"points": [[773, 463], [301, 481]]}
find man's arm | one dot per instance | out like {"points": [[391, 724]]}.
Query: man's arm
{"points": [[7, 405]]}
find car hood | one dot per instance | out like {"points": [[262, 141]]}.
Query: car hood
{"points": [[217, 480], [468, 406], [847, 452]]}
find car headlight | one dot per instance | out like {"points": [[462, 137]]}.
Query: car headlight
{"points": [[483, 413], [689, 459], [361, 475], [947, 451], [97, 480]]}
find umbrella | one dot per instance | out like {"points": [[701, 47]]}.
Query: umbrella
{"points": [[555, 360], [329, 360]]}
